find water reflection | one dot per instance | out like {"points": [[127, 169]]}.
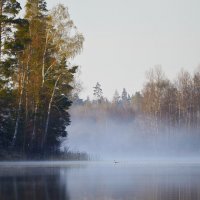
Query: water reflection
{"points": [[101, 181], [33, 184]]}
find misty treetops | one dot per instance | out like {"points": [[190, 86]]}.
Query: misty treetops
{"points": [[161, 107], [35, 76]]}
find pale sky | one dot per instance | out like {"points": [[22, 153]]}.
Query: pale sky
{"points": [[124, 38]]}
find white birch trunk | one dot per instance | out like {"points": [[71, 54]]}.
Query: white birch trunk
{"points": [[43, 59], [19, 111], [49, 112]]}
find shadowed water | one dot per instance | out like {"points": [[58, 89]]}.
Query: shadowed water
{"points": [[99, 180]]}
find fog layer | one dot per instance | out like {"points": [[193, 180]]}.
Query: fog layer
{"points": [[111, 139]]}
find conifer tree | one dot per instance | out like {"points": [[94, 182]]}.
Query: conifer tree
{"points": [[8, 12], [116, 97], [29, 79], [98, 93], [36, 76], [46, 78], [124, 95], [10, 49]]}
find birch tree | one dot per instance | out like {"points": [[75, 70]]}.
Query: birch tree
{"points": [[45, 77]]}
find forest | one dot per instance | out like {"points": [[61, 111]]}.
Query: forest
{"points": [[99, 100], [163, 119], [36, 77], [38, 87], [161, 103]]}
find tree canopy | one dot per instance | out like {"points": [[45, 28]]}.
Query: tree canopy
{"points": [[35, 93]]}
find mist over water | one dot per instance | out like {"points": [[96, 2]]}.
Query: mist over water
{"points": [[99, 180], [117, 139]]}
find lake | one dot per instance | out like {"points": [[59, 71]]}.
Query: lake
{"points": [[99, 180]]}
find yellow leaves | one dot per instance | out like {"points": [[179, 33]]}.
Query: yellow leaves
{"points": [[67, 39]]}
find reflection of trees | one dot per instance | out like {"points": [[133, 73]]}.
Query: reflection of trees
{"points": [[66, 184], [167, 192], [165, 187], [41, 184]]}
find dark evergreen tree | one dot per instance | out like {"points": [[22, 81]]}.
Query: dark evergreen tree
{"points": [[10, 49], [8, 12], [124, 96], [98, 93], [35, 77]]}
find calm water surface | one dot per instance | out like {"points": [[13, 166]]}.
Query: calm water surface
{"points": [[101, 181]]}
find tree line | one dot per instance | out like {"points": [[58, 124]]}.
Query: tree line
{"points": [[162, 106], [36, 77]]}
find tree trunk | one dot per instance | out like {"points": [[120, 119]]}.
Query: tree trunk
{"points": [[43, 59], [34, 123], [49, 112], [19, 110]]}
